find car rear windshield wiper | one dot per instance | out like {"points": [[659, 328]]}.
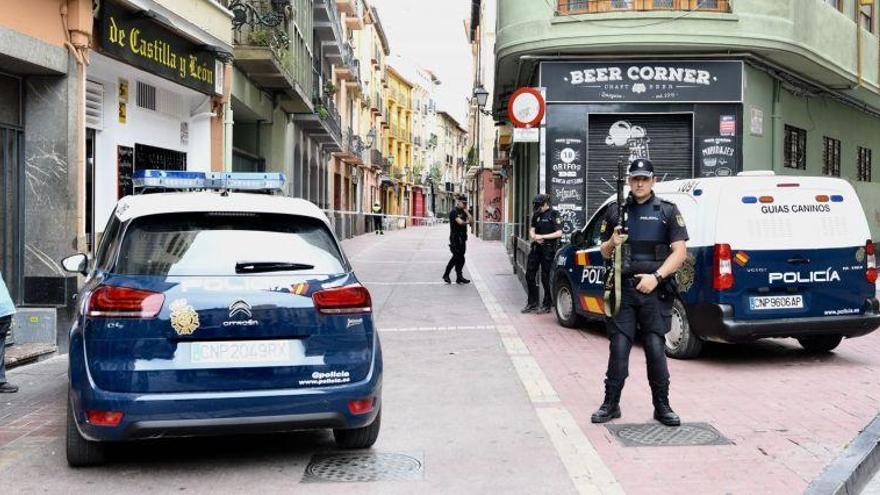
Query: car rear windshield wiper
{"points": [[269, 266]]}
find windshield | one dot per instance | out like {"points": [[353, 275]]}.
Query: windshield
{"points": [[216, 244]]}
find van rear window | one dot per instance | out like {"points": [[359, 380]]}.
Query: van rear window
{"points": [[212, 244]]}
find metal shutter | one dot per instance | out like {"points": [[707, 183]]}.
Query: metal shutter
{"points": [[666, 139]]}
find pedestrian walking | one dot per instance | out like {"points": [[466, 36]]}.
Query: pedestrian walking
{"points": [[459, 219], [377, 219], [654, 249], [545, 230], [7, 309]]}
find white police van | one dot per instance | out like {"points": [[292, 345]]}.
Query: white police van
{"points": [[768, 256]]}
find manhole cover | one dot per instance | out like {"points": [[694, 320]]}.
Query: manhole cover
{"points": [[370, 466], [657, 435]]}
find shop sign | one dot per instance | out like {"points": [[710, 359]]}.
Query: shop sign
{"points": [[654, 81], [728, 125], [526, 135], [147, 45]]}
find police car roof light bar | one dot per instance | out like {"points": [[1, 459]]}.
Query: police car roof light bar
{"points": [[268, 182], [146, 180]]}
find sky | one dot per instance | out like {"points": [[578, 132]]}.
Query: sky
{"points": [[431, 35]]}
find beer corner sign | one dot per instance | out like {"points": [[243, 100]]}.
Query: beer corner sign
{"points": [[526, 107]]}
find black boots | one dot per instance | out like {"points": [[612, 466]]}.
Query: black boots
{"points": [[610, 408], [662, 411]]}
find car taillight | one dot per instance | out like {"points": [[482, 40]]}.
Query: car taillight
{"points": [[343, 300], [870, 262], [723, 276], [361, 406], [122, 302], [104, 418]]}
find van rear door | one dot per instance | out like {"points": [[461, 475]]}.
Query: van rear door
{"points": [[797, 247]]}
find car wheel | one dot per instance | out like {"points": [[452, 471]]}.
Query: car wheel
{"points": [[359, 438], [681, 342], [820, 343], [565, 305], [81, 452]]}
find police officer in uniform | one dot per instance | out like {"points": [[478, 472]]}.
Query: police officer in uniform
{"points": [[459, 218], [656, 245], [545, 229], [377, 218]]}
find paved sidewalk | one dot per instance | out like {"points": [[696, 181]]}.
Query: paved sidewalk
{"points": [[787, 413]]}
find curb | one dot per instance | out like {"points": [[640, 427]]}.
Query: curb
{"points": [[854, 468]]}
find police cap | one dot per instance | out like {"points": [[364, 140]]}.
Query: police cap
{"points": [[641, 167], [540, 199]]}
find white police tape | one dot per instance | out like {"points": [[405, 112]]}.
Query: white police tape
{"points": [[426, 220]]}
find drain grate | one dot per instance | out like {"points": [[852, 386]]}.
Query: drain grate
{"points": [[369, 466], [657, 435]]}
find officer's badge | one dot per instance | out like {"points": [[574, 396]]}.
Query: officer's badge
{"points": [[679, 219], [685, 275], [603, 227], [184, 318], [860, 255]]}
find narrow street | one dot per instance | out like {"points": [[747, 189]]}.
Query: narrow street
{"points": [[491, 401]]}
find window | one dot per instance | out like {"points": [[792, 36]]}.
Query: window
{"points": [[866, 17], [864, 165], [834, 3], [795, 148], [831, 157]]}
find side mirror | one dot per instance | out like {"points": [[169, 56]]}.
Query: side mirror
{"points": [[577, 239], [78, 263]]}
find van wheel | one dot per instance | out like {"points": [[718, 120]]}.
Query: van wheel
{"points": [[820, 344], [359, 438], [681, 342], [81, 452], [566, 314]]}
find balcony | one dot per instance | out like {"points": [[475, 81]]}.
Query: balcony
{"points": [[324, 124], [349, 68], [376, 104], [352, 148], [354, 13], [376, 159], [328, 30], [572, 7]]}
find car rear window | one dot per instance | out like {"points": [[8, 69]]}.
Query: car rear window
{"points": [[211, 244]]}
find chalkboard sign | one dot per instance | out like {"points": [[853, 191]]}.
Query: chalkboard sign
{"points": [[566, 181], [125, 169], [717, 157]]}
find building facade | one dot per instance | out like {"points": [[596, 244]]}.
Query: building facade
{"points": [[450, 151], [792, 86]]}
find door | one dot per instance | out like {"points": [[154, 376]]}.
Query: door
{"points": [[11, 184], [588, 269], [666, 139]]}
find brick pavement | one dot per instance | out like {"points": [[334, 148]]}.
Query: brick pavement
{"points": [[787, 413]]}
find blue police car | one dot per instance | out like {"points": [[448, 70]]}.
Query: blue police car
{"points": [[768, 257], [215, 311]]}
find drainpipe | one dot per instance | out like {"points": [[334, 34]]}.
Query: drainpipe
{"points": [[77, 41], [858, 19], [227, 119], [774, 117]]}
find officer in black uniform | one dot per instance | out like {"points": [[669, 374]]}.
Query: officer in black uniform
{"points": [[459, 218], [656, 245], [545, 229]]}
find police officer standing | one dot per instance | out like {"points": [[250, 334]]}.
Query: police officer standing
{"points": [[545, 229], [377, 218], [459, 218], [656, 244]]}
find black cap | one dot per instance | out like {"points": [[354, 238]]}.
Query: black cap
{"points": [[540, 199], [462, 198], [641, 167]]}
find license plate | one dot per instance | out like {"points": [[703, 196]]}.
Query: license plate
{"points": [[776, 302], [240, 352]]}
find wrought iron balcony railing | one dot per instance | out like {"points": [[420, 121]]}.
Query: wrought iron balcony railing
{"points": [[262, 23], [571, 7]]}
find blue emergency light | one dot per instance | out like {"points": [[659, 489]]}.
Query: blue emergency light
{"points": [[164, 180]]}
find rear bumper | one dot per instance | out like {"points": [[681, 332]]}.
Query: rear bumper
{"points": [[715, 322], [164, 415]]}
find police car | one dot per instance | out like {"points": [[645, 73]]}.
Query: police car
{"points": [[768, 257], [213, 311]]}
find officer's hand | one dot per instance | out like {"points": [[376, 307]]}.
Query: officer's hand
{"points": [[647, 283], [539, 239], [618, 238]]}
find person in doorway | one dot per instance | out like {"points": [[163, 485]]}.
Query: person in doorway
{"points": [[377, 219], [545, 230], [656, 242], [7, 309], [459, 219]]}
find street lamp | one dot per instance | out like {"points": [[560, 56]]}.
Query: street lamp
{"points": [[481, 95], [370, 138]]}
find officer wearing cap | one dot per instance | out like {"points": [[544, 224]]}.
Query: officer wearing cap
{"points": [[459, 218], [656, 244], [545, 229]]}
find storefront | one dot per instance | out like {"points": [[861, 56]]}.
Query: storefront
{"points": [[151, 103], [686, 116]]}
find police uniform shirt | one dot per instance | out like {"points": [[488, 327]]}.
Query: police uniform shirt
{"points": [[652, 227], [456, 230], [546, 222]]}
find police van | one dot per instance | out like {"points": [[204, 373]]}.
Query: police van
{"points": [[767, 257]]}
